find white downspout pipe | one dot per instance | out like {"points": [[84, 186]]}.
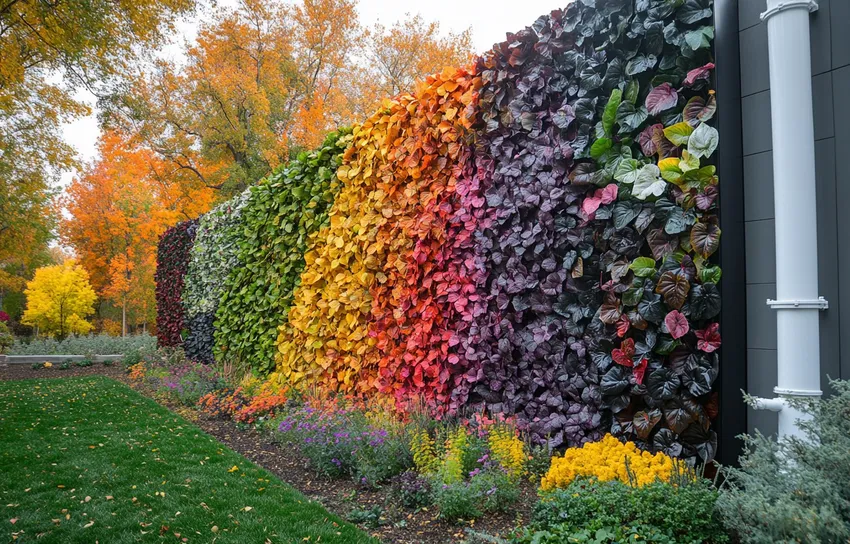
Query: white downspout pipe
{"points": [[798, 303]]}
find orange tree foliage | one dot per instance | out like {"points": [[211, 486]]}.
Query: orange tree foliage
{"points": [[221, 118], [363, 316], [118, 208], [265, 81]]}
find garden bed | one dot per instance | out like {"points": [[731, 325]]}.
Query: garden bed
{"points": [[340, 496]]}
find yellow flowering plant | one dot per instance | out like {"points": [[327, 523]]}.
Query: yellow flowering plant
{"points": [[608, 459], [508, 450]]}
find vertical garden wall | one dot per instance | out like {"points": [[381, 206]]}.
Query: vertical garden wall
{"points": [[532, 235], [172, 261]]}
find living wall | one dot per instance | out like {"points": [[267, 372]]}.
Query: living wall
{"points": [[277, 220], [172, 261], [213, 256], [532, 234]]}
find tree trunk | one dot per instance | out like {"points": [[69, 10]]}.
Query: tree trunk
{"points": [[123, 317]]}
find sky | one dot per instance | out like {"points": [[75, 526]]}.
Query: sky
{"points": [[488, 19]]}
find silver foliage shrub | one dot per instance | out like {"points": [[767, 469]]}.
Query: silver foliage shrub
{"points": [[795, 490], [212, 256]]}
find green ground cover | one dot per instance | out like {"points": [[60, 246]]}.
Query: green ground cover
{"points": [[90, 460]]}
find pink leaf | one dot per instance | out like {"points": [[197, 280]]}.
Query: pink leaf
{"points": [[698, 73], [590, 205], [708, 339], [677, 324], [661, 98], [608, 194]]}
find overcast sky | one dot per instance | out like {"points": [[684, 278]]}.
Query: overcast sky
{"points": [[489, 20]]}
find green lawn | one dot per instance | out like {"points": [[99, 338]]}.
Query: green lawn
{"points": [[90, 460]]}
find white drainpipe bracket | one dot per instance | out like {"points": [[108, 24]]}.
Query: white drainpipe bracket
{"points": [[773, 405], [818, 304], [810, 5]]}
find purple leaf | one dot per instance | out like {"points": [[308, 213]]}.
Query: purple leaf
{"points": [[661, 98]]}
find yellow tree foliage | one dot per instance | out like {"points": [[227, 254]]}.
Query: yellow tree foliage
{"points": [[59, 298], [119, 206]]}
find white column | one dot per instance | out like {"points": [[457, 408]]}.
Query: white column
{"points": [[798, 303]]}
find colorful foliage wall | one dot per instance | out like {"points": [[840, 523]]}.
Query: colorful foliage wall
{"points": [[213, 256], [172, 261], [532, 235], [281, 213]]}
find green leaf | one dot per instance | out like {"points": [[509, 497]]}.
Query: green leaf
{"points": [[700, 38], [710, 274], [649, 183], [632, 91], [679, 133], [609, 116], [600, 147], [643, 267], [703, 141], [630, 118], [627, 171]]}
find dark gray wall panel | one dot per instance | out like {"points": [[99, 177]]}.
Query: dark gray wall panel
{"points": [[821, 34], [758, 186], [761, 251], [748, 13], [761, 320], [828, 248], [755, 71], [841, 88], [762, 373], [755, 113], [822, 97], [840, 33]]}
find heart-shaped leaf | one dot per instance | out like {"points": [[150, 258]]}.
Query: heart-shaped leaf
{"points": [[661, 98], [677, 324], [674, 288], [705, 238]]}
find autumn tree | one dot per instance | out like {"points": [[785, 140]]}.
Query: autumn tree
{"points": [[399, 56], [118, 207], [220, 117], [265, 80], [59, 298], [48, 49]]}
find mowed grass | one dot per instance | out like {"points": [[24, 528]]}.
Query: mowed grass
{"points": [[90, 460]]}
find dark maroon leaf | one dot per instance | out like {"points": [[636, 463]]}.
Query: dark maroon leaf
{"points": [[674, 288], [645, 422], [705, 238]]}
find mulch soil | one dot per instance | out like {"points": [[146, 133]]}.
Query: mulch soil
{"points": [[397, 525]]}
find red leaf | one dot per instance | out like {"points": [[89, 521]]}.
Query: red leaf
{"points": [[640, 369], [623, 355], [677, 324], [623, 326], [708, 339]]}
